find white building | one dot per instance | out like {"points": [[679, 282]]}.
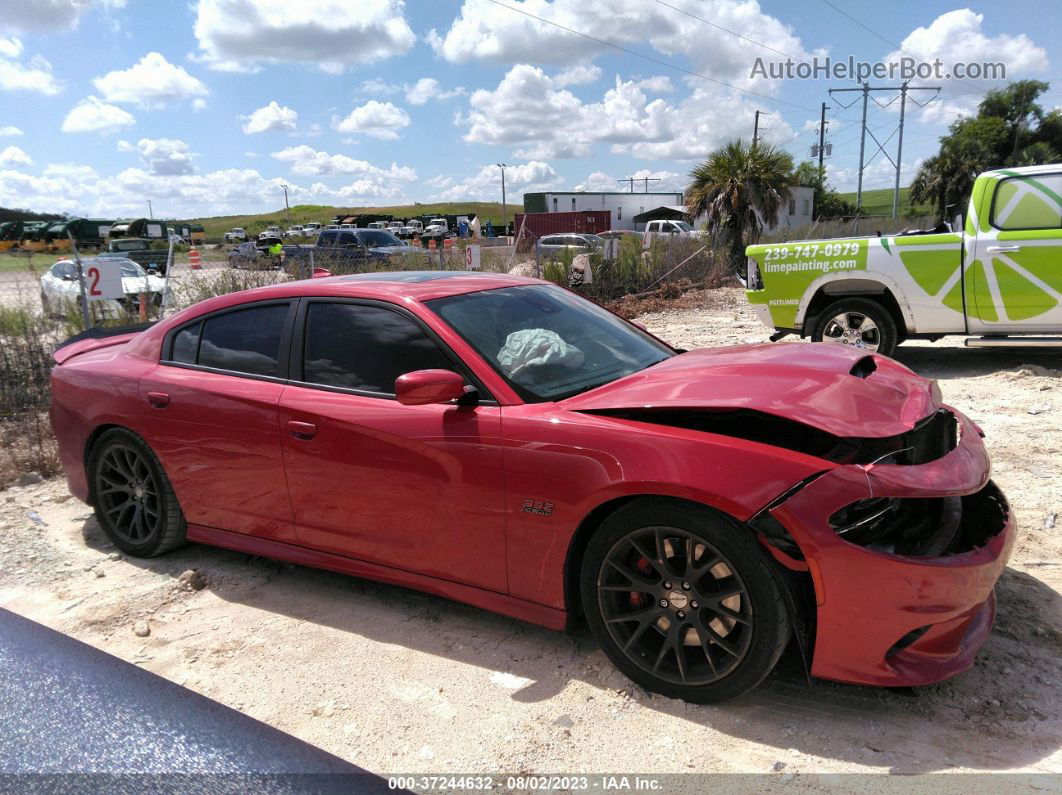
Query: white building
{"points": [[623, 206]]}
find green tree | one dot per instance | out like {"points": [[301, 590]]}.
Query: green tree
{"points": [[1010, 129], [828, 202], [740, 189]]}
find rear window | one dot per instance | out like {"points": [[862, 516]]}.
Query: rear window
{"points": [[242, 341]]}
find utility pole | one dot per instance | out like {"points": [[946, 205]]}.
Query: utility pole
{"points": [[899, 153], [151, 212], [287, 210], [505, 210], [756, 126], [866, 89], [822, 138]]}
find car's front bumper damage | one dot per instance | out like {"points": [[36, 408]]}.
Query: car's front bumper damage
{"points": [[912, 605]]}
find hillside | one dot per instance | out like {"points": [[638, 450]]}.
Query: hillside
{"points": [[216, 226], [879, 202]]}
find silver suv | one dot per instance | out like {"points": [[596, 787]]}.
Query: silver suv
{"points": [[576, 242]]}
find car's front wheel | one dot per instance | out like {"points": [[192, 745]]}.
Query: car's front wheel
{"points": [[133, 498], [683, 601]]}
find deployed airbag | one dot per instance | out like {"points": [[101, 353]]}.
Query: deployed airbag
{"points": [[535, 347]]}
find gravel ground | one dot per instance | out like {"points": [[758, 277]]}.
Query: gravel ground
{"points": [[401, 682]]}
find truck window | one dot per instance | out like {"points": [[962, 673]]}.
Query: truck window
{"points": [[1028, 202]]}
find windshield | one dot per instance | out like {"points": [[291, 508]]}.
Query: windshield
{"points": [[377, 237], [547, 342], [683, 226]]}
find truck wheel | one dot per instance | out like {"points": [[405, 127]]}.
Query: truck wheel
{"points": [[858, 322]]}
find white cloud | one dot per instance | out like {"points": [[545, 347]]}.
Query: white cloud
{"points": [[577, 75], [539, 120], [81, 190], [10, 47], [165, 156], [9, 130], [661, 84], [306, 160], [93, 115], [241, 35], [270, 118], [485, 184], [439, 181], [429, 88], [150, 82], [376, 119], [957, 36], [47, 16], [35, 75], [488, 32], [199, 104], [13, 156], [664, 181]]}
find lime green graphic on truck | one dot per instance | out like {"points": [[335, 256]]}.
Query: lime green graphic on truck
{"points": [[788, 269], [1001, 275]]}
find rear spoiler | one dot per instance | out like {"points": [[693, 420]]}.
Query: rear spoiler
{"points": [[95, 338]]}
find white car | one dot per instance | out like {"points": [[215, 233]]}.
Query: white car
{"points": [[61, 294], [295, 231], [680, 228], [312, 229], [237, 235]]}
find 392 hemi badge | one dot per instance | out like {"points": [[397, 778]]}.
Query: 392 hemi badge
{"points": [[538, 506]]}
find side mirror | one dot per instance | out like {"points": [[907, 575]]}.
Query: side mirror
{"points": [[422, 387]]}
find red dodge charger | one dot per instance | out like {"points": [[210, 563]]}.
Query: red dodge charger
{"points": [[506, 443]]}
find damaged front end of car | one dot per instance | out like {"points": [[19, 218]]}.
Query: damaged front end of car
{"points": [[903, 553]]}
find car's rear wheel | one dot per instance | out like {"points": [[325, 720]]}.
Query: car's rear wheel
{"points": [[133, 498], [857, 322], [683, 601]]}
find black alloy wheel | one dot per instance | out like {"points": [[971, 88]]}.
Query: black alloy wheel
{"points": [[134, 501], [683, 600]]}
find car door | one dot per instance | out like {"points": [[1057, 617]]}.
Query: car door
{"points": [[1015, 280], [211, 418], [418, 488]]}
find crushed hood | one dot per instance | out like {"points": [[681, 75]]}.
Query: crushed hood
{"points": [[835, 388]]}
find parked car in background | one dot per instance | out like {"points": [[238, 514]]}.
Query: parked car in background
{"points": [[248, 255], [376, 225], [681, 228], [271, 232], [618, 234], [236, 235], [140, 250], [576, 242], [295, 231], [344, 246], [394, 227], [507, 443], [61, 292], [311, 229]]}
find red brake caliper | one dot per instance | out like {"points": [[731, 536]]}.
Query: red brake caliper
{"points": [[642, 565]]}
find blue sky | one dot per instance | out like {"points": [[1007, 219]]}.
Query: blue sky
{"points": [[207, 107]]}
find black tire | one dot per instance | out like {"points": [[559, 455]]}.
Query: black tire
{"points": [[733, 605], [132, 496], [879, 337]]}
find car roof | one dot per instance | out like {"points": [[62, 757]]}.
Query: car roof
{"points": [[392, 286]]}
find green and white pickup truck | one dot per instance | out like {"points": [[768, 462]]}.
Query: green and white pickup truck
{"points": [[999, 282]]}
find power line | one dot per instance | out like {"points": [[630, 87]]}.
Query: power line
{"points": [[643, 56], [725, 30]]}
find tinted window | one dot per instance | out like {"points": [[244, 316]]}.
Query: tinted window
{"points": [[378, 238], [246, 341], [186, 344], [365, 347], [347, 239], [327, 239]]}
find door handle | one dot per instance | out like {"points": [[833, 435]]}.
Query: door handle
{"points": [[302, 430], [1000, 249], [158, 400]]}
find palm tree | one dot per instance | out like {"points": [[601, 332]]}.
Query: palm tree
{"points": [[740, 189]]}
